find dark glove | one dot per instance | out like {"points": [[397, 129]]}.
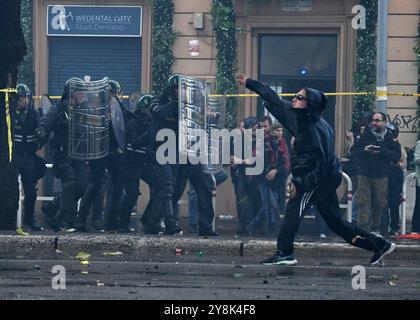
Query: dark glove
{"points": [[42, 136]]}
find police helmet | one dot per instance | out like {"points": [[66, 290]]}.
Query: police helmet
{"points": [[115, 87], [143, 106], [172, 86], [23, 90]]}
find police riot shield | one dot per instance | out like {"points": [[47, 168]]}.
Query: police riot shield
{"points": [[215, 116], [192, 118], [89, 115], [133, 99], [117, 122], [45, 104]]}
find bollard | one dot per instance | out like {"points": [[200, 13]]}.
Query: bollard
{"points": [[403, 207]]}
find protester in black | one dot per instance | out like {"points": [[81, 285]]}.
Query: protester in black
{"points": [[316, 172]]}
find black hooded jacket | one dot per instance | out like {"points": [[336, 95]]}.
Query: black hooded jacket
{"points": [[313, 160]]}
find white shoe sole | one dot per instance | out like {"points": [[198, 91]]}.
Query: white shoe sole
{"points": [[282, 263], [389, 251]]}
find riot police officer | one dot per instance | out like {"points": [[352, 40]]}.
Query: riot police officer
{"points": [[30, 166], [164, 110], [70, 171], [112, 163], [202, 182], [103, 201], [137, 138]]}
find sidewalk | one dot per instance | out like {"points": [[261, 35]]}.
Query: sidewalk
{"points": [[140, 245]]}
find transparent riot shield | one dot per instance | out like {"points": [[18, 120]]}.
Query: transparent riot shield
{"points": [[215, 122], [89, 116], [133, 99], [192, 117], [117, 122], [45, 104]]}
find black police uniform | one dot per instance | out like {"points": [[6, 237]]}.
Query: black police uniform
{"points": [[113, 163], [30, 166], [137, 138], [165, 112], [71, 172]]}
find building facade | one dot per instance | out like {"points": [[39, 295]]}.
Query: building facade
{"points": [[287, 44]]}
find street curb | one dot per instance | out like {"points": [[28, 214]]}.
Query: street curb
{"points": [[142, 245]]}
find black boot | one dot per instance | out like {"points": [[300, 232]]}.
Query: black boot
{"points": [[81, 224], [31, 224], [205, 230], [97, 225], [171, 225], [150, 225], [50, 209]]}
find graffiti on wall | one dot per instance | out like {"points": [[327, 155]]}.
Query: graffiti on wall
{"points": [[405, 122]]}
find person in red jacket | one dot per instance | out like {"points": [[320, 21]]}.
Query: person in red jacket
{"points": [[283, 152]]}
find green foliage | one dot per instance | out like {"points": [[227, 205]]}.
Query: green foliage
{"points": [[365, 75], [25, 72], [224, 25], [163, 40]]}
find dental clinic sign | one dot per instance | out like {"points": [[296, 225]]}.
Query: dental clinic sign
{"points": [[94, 21]]}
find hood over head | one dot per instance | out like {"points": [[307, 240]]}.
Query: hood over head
{"points": [[316, 103]]}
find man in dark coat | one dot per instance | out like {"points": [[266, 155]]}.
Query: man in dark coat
{"points": [[316, 172]]}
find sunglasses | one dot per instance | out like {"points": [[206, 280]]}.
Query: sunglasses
{"points": [[299, 97], [377, 120]]}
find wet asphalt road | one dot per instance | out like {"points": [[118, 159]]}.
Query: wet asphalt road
{"points": [[197, 276]]}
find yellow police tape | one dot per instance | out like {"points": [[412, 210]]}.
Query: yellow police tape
{"points": [[242, 95], [379, 93], [8, 121], [59, 97]]}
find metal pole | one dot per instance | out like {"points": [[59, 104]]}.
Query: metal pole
{"points": [[19, 211], [214, 202], [382, 57], [403, 206]]}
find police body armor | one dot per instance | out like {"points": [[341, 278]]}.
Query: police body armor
{"points": [[26, 142], [89, 116]]}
